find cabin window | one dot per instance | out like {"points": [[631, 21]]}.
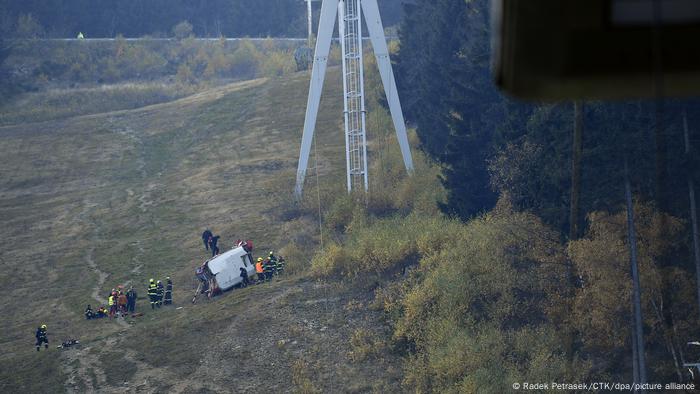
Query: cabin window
{"points": [[244, 258]]}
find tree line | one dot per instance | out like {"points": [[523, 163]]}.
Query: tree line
{"points": [[136, 18]]}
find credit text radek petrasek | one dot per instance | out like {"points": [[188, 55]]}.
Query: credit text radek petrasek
{"points": [[605, 386]]}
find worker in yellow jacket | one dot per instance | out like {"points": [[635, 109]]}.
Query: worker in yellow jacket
{"points": [[112, 303]]}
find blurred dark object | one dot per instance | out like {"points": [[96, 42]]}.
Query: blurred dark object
{"points": [[596, 49]]}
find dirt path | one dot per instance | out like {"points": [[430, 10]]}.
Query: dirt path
{"points": [[94, 237]]}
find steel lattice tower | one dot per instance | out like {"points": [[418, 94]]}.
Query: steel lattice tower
{"points": [[350, 13]]}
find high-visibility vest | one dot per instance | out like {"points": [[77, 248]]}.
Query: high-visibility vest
{"points": [[259, 267], [110, 300], [152, 289]]}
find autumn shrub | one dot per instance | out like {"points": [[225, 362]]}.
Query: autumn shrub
{"points": [[364, 343], [385, 244], [141, 62], [245, 59], [333, 260], [301, 378], [121, 60], [297, 259], [185, 75], [277, 63], [478, 318], [340, 213], [602, 308]]}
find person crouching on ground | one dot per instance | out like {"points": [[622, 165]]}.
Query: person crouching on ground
{"points": [[89, 314], [101, 311]]}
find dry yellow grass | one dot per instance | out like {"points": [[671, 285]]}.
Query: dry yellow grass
{"points": [[93, 201]]}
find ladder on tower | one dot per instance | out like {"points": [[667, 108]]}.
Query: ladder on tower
{"points": [[350, 22]]}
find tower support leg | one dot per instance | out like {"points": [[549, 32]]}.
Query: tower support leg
{"points": [[329, 8]]}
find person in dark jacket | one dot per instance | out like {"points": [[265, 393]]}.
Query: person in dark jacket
{"points": [[160, 291], [273, 262], [41, 337], [205, 238], [213, 240], [168, 299], [131, 300], [269, 269], [244, 275], [279, 266], [89, 314]]}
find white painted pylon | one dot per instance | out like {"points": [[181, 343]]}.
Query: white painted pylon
{"points": [[349, 13]]}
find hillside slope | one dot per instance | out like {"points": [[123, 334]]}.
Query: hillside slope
{"points": [[93, 201]]}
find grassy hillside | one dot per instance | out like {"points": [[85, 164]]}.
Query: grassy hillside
{"points": [[61, 103], [93, 201]]}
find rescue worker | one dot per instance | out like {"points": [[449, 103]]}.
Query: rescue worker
{"points": [[159, 293], [121, 302], [273, 261], [41, 337], [89, 314], [205, 238], [244, 275], [168, 291], [112, 303], [153, 293], [268, 268], [131, 300], [259, 270], [280, 265], [101, 311], [213, 240]]}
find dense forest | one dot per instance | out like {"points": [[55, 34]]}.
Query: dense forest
{"points": [[136, 18], [491, 144], [508, 170]]}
